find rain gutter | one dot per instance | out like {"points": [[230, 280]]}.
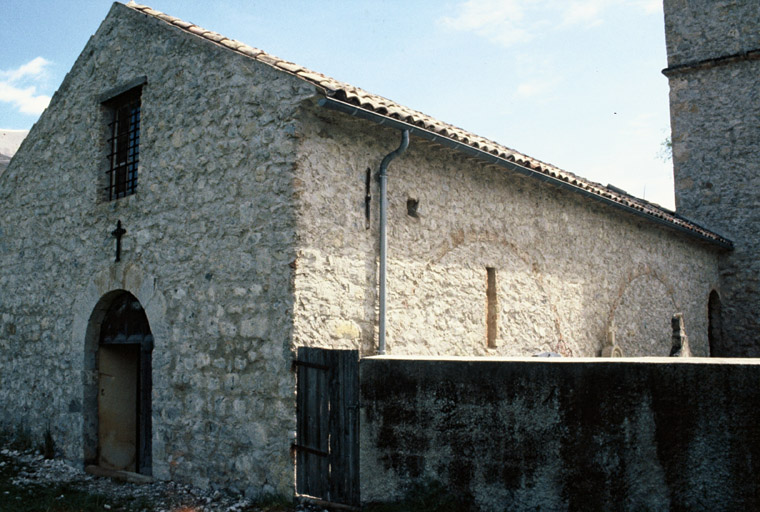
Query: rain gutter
{"points": [[380, 119]]}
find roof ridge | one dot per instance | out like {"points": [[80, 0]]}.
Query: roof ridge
{"points": [[358, 97]]}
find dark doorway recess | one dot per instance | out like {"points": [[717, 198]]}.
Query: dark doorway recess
{"points": [[714, 325], [124, 387]]}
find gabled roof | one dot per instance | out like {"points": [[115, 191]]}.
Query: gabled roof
{"points": [[342, 96]]}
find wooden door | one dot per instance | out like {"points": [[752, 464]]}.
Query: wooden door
{"points": [[327, 442], [119, 370]]}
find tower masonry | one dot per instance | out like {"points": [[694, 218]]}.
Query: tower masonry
{"points": [[713, 68]]}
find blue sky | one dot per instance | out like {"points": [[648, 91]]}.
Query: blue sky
{"points": [[575, 83]]}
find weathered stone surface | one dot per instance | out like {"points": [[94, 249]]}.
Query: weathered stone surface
{"points": [[567, 269], [697, 30], [564, 434], [210, 236], [247, 238], [680, 341], [716, 148]]}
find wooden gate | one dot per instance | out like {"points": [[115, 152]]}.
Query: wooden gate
{"points": [[327, 435]]}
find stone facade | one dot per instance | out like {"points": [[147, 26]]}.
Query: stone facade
{"points": [[716, 145], [208, 253], [248, 238], [567, 269]]}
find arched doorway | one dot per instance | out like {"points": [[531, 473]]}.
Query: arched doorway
{"points": [[642, 316], [124, 352], [714, 325]]}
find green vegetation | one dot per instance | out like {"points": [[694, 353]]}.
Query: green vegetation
{"points": [[431, 497], [273, 503], [20, 440], [666, 150]]}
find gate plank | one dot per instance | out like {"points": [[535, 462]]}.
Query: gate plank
{"points": [[321, 466], [337, 469], [312, 432], [351, 404], [300, 423], [344, 460]]}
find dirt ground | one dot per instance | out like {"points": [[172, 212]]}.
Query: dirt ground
{"points": [[30, 482]]}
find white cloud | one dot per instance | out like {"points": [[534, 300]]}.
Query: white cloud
{"points": [[583, 12], [511, 22], [33, 68], [18, 87], [648, 6], [497, 20], [26, 100], [534, 88]]}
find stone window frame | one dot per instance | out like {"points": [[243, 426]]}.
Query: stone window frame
{"points": [[122, 108], [492, 308]]}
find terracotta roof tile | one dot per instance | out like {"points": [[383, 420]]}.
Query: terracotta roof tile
{"points": [[196, 30], [229, 43], [249, 50], [311, 76], [152, 12], [289, 66], [214, 36], [355, 96], [267, 59]]}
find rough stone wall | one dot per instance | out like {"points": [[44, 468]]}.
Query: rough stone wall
{"points": [[567, 268], [208, 251], [697, 30], [716, 147], [647, 434]]}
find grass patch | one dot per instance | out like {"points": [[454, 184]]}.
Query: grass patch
{"points": [[273, 503], [20, 440]]}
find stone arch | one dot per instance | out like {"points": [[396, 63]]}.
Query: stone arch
{"points": [[90, 309], [715, 324], [526, 308], [640, 316], [117, 412]]}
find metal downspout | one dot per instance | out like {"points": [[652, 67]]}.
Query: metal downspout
{"points": [[383, 236]]}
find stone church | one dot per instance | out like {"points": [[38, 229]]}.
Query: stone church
{"points": [[190, 210]]}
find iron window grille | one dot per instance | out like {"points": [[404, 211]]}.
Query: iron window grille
{"points": [[123, 144]]}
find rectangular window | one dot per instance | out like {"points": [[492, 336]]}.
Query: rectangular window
{"points": [[492, 308], [123, 143]]}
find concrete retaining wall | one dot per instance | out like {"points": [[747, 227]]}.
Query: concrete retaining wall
{"points": [[581, 434]]}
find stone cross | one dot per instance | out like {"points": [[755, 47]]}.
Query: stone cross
{"points": [[118, 232]]}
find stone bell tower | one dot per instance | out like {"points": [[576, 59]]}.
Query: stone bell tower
{"points": [[714, 73]]}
